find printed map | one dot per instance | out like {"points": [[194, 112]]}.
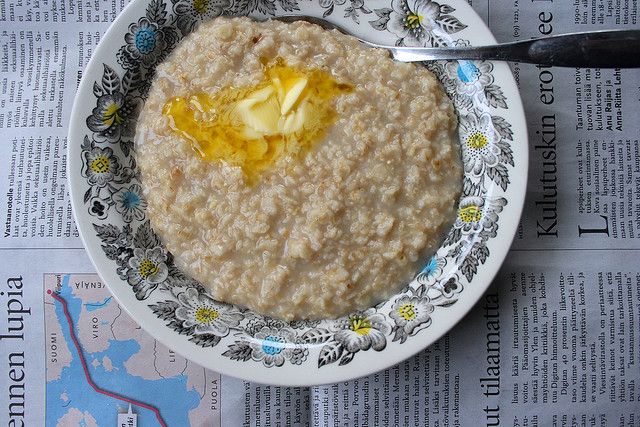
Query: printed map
{"points": [[119, 364]]}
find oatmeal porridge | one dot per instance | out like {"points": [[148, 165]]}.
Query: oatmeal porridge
{"points": [[294, 171]]}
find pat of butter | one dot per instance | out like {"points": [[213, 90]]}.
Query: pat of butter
{"points": [[267, 111], [285, 114], [259, 113], [292, 95]]}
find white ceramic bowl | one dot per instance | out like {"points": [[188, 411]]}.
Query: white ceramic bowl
{"points": [[110, 211]]}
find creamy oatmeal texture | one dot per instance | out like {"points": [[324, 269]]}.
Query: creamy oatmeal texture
{"points": [[335, 230]]}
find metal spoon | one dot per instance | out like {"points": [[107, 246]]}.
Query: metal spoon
{"points": [[594, 49]]}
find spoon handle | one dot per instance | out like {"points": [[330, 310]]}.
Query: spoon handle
{"points": [[596, 49]]}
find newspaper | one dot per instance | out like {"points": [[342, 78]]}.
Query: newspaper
{"points": [[555, 341]]}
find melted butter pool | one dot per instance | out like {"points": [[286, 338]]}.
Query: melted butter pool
{"points": [[253, 127]]}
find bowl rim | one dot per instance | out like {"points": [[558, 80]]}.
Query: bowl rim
{"points": [[290, 375]]}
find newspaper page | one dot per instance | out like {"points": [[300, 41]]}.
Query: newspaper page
{"points": [[553, 342], [74, 357]]}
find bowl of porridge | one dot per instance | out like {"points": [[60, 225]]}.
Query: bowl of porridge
{"points": [[275, 200], [313, 183]]}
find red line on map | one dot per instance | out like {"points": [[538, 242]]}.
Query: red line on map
{"points": [[86, 369]]}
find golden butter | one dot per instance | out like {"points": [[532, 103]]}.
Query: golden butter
{"points": [[253, 127]]}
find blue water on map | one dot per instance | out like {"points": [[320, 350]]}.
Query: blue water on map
{"points": [[169, 395], [91, 306]]}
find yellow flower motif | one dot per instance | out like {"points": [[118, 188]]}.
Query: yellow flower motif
{"points": [[206, 315], [147, 268], [100, 164], [407, 311], [201, 6], [360, 325], [477, 214], [363, 331], [471, 213], [111, 115], [413, 20], [477, 140]]}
